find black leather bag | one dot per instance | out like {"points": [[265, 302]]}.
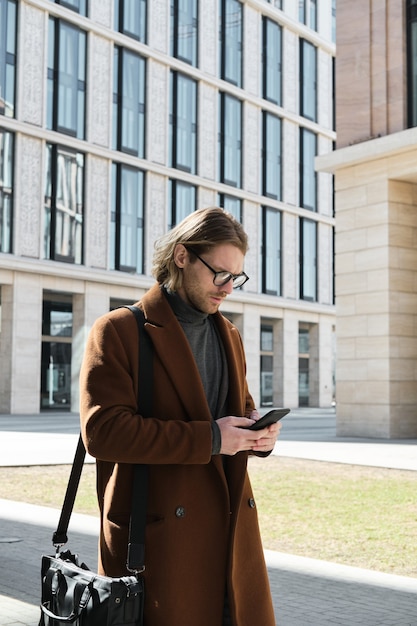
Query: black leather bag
{"points": [[72, 593]]}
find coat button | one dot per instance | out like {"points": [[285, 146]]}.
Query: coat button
{"points": [[251, 503], [180, 511]]}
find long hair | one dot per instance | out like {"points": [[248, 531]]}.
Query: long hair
{"points": [[202, 230]]}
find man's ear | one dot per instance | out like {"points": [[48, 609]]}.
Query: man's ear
{"points": [[181, 255]]}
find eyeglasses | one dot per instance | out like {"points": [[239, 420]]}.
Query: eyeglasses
{"points": [[222, 278]]}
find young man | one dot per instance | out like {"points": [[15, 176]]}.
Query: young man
{"points": [[204, 557]]}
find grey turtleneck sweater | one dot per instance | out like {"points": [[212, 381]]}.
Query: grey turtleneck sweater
{"points": [[208, 352]]}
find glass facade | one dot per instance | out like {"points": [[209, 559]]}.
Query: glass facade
{"points": [[308, 77], [271, 251], [412, 62], [66, 78], [183, 123], [130, 18], [129, 102], [231, 41], [308, 175], [64, 205], [307, 13], [127, 219], [184, 30], [231, 205], [230, 140], [6, 190], [79, 6], [271, 156], [183, 198], [271, 61], [308, 260], [8, 26]]}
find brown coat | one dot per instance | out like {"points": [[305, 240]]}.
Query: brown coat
{"points": [[214, 543]]}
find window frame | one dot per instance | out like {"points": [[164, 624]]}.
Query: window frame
{"points": [[311, 270], [271, 244], [308, 80], [308, 174], [271, 30], [8, 57], [411, 17], [226, 139], [121, 16], [177, 26], [183, 127], [175, 187], [7, 171], [123, 60], [268, 156], [119, 226], [231, 56], [60, 82]]}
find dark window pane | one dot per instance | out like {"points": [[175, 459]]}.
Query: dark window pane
{"points": [[8, 23], [79, 6], [308, 178], [308, 270], [271, 156], [271, 61], [184, 30], [230, 140], [308, 74], [183, 127], [6, 190], [231, 33], [64, 205], [130, 18], [271, 258], [231, 205], [183, 200]]}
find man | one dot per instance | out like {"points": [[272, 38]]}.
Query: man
{"points": [[203, 554]]}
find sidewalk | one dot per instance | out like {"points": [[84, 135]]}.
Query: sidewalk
{"points": [[306, 592]]}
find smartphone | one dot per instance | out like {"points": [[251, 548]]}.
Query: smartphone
{"points": [[270, 418]]}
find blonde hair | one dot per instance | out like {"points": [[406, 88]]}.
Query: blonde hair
{"points": [[202, 230]]}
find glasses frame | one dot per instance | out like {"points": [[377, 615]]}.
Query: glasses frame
{"points": [[230, 276]]}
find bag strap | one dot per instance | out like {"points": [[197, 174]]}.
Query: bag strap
{"points": [[136, 545]]}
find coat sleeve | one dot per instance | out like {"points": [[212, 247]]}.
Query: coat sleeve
{"points": [[111, 427]]}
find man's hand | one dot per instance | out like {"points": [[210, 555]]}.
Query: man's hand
{"points": [[236, 437]]}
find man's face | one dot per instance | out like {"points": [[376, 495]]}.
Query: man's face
{"points": [[198, 289]]}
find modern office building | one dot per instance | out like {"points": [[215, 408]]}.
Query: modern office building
{"points": [[375, 169], [117, 119]]}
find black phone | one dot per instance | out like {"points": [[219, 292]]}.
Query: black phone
{"points": [[270, 418]]}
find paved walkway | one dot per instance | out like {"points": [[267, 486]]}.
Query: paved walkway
{"points": [[306, 592]]}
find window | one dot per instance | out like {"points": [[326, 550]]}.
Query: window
{"points": [[308, 77], [130, 18], [183, 198], [307, 13], [126, 228], [303, 365], [267, 365], [66, 78], [412, 62], [230, 140], [334, 21], [8, 22], [79, 6], [231, 205], [57, 327], [6, 190], [308, 260], [271, 61], [129, 102], [183, 123], [231, 33], [64, 205], [271, 156], [276, 3], [271, 251], [308, 176], [184, 30]]}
